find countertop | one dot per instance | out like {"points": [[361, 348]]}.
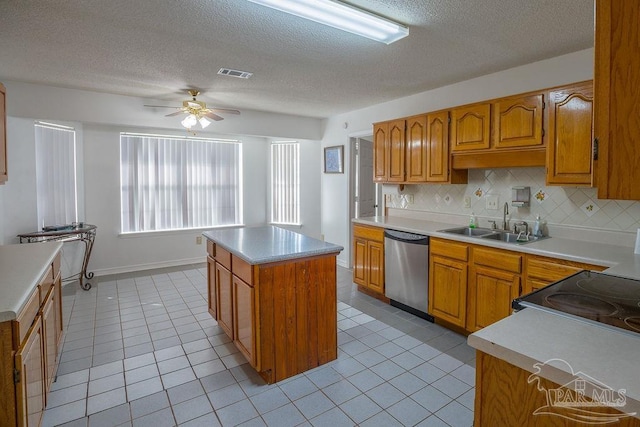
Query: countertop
{"points": [[21, 268], [265, 244], [531, 336], [620, 260]]}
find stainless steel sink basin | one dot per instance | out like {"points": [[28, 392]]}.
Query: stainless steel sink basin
{"points": [[471, 232], [487, 233]]}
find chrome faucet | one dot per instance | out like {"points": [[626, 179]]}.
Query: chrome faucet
{"points": [[505, 212]]}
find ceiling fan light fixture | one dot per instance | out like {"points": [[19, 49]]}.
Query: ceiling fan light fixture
{"points": [[204, 122], [189, 121], [343, 17]]}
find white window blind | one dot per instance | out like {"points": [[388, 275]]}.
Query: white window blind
{"points": [[56, 191], [170, 183], [285, 183]]}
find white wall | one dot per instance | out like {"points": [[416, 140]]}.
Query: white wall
{"points": [[101, 118], [557, 71]]}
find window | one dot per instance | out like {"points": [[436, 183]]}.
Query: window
{"points": [[56, 183], [285, 183], [170, 183]]}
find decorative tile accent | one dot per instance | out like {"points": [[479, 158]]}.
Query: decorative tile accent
{"points": [[448, 199], [479, 193], [540, 196], [589, 208]]}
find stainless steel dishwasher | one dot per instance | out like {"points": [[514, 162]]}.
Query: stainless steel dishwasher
{"points": [[406, 271]]}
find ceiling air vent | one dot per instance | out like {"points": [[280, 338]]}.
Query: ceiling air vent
{"points": [[234, 73]]}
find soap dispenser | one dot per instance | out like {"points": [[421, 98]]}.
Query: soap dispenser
{"points": [[472, 221], [537, 227]]}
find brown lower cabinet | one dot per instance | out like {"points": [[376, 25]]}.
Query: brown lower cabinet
{"points": [[472, 286], [368, 259], [505, 398], [29, 352], [281, 316]]}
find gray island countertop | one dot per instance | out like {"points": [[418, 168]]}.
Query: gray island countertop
{"points": [[265, 244]]}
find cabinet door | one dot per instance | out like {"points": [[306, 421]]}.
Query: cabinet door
{"points": [[380, 161], [470, 127], [244, 315], [3, 135], [50, 345], [360, 261], [58, 303], [416, 163], [211, 287], [225, 299], [30, 390], [518, 121], [570, 151], [375, 266], [448, 290], [438, 147], [396, 151], [491, 296], [617, 73]]}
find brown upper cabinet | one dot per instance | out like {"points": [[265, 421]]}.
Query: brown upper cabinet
{"points": [[414, 150], [470, 127], [3, 135], [570, 153], [616, 107], [389, 151], [518, 121]]}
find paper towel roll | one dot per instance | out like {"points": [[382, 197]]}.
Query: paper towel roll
{"points": [[637, 249]]}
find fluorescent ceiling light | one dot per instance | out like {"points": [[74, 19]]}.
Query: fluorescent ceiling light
{"points": [[343, 17]]}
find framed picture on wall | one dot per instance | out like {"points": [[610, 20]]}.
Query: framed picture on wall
{"points": [[333, 159]]}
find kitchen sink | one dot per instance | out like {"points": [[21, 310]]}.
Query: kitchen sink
{"points": [[499, 235], [467, 231]]}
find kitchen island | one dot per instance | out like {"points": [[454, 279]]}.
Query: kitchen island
{"points": [[273, 292]]}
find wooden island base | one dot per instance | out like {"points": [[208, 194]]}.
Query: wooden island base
{"points": [[281, 315]]}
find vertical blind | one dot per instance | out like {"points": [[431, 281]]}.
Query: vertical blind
{"points": [[285, 183], [170, 183], [56, 193]]}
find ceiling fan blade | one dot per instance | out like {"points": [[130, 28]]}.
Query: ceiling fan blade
{"points": [[213, 116], [160, 106], [175, 114], [225, 110]]}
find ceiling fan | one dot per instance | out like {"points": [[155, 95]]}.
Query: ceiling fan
{"points": [[196, 111]]}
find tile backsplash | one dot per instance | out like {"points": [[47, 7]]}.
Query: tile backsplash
{"points": [[570, 206]]}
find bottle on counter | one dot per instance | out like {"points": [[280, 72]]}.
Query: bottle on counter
{"points": [[537, 227], [472, 221]]}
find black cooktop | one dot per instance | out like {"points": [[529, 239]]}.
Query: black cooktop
{"points": [[595, 297]]}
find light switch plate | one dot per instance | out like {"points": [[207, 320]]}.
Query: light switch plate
{"points": [[492, 202]]}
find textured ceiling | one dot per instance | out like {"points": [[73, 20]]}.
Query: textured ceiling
{"points": [[158, 48]]}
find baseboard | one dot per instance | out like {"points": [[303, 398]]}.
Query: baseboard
{"points": [[343, 263], [150, 266]]}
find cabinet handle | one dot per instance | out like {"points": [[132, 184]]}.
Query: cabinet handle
{"points": [[595, 148]]}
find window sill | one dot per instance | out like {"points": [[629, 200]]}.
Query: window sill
{"points": [[138, 234]]}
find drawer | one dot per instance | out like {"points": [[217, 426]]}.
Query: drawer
{"points": [[46, 283], [25, 318], [211, 248], [449, 249], [222, 256], [497, 259], [549, 271], [56, 266], [242, 269], [370, 233]]}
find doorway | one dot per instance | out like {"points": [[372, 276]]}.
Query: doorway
{"points": [[365, 195]]}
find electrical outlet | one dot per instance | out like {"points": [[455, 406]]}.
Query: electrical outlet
{"points": [[198, 240], [409, 198], [492, 202], [467, 201]]}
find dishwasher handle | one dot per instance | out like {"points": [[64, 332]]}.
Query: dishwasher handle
{"points": [[403, 236]]}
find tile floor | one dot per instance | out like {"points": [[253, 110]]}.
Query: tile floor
{"points": [[142, 350]]}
